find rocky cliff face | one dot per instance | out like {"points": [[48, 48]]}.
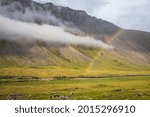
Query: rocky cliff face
{"points": [[69, 17], [82, 20]]}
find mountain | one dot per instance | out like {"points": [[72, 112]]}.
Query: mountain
{"points": [[133, 45], [42, 14], [130, 47]]}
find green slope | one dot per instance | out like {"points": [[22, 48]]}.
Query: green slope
{"points": [[82, 62]]}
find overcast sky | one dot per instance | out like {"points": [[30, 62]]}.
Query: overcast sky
{"points": [[132, 14]]}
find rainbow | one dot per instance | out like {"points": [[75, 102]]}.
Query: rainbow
{"points": [[98, 54]]}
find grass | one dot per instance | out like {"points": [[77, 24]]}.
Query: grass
{"points": [[103, 77], [137, 88], [50, 72]]}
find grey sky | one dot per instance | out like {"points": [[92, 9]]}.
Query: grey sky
{"points": [[132, 14]]}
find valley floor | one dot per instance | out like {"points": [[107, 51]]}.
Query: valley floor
{"points": [[126, 88]]}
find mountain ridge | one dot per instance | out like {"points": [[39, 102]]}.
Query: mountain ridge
{"points": [[98, 28], [129, 45]]}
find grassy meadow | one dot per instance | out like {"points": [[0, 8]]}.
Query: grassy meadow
{"points": [[129, 87], [104, 77]]}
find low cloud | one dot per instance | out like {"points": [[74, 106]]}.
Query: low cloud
{"points": [[16, 30]]}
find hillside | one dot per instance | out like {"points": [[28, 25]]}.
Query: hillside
{"points": [[133, 45], [131, 49]]}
